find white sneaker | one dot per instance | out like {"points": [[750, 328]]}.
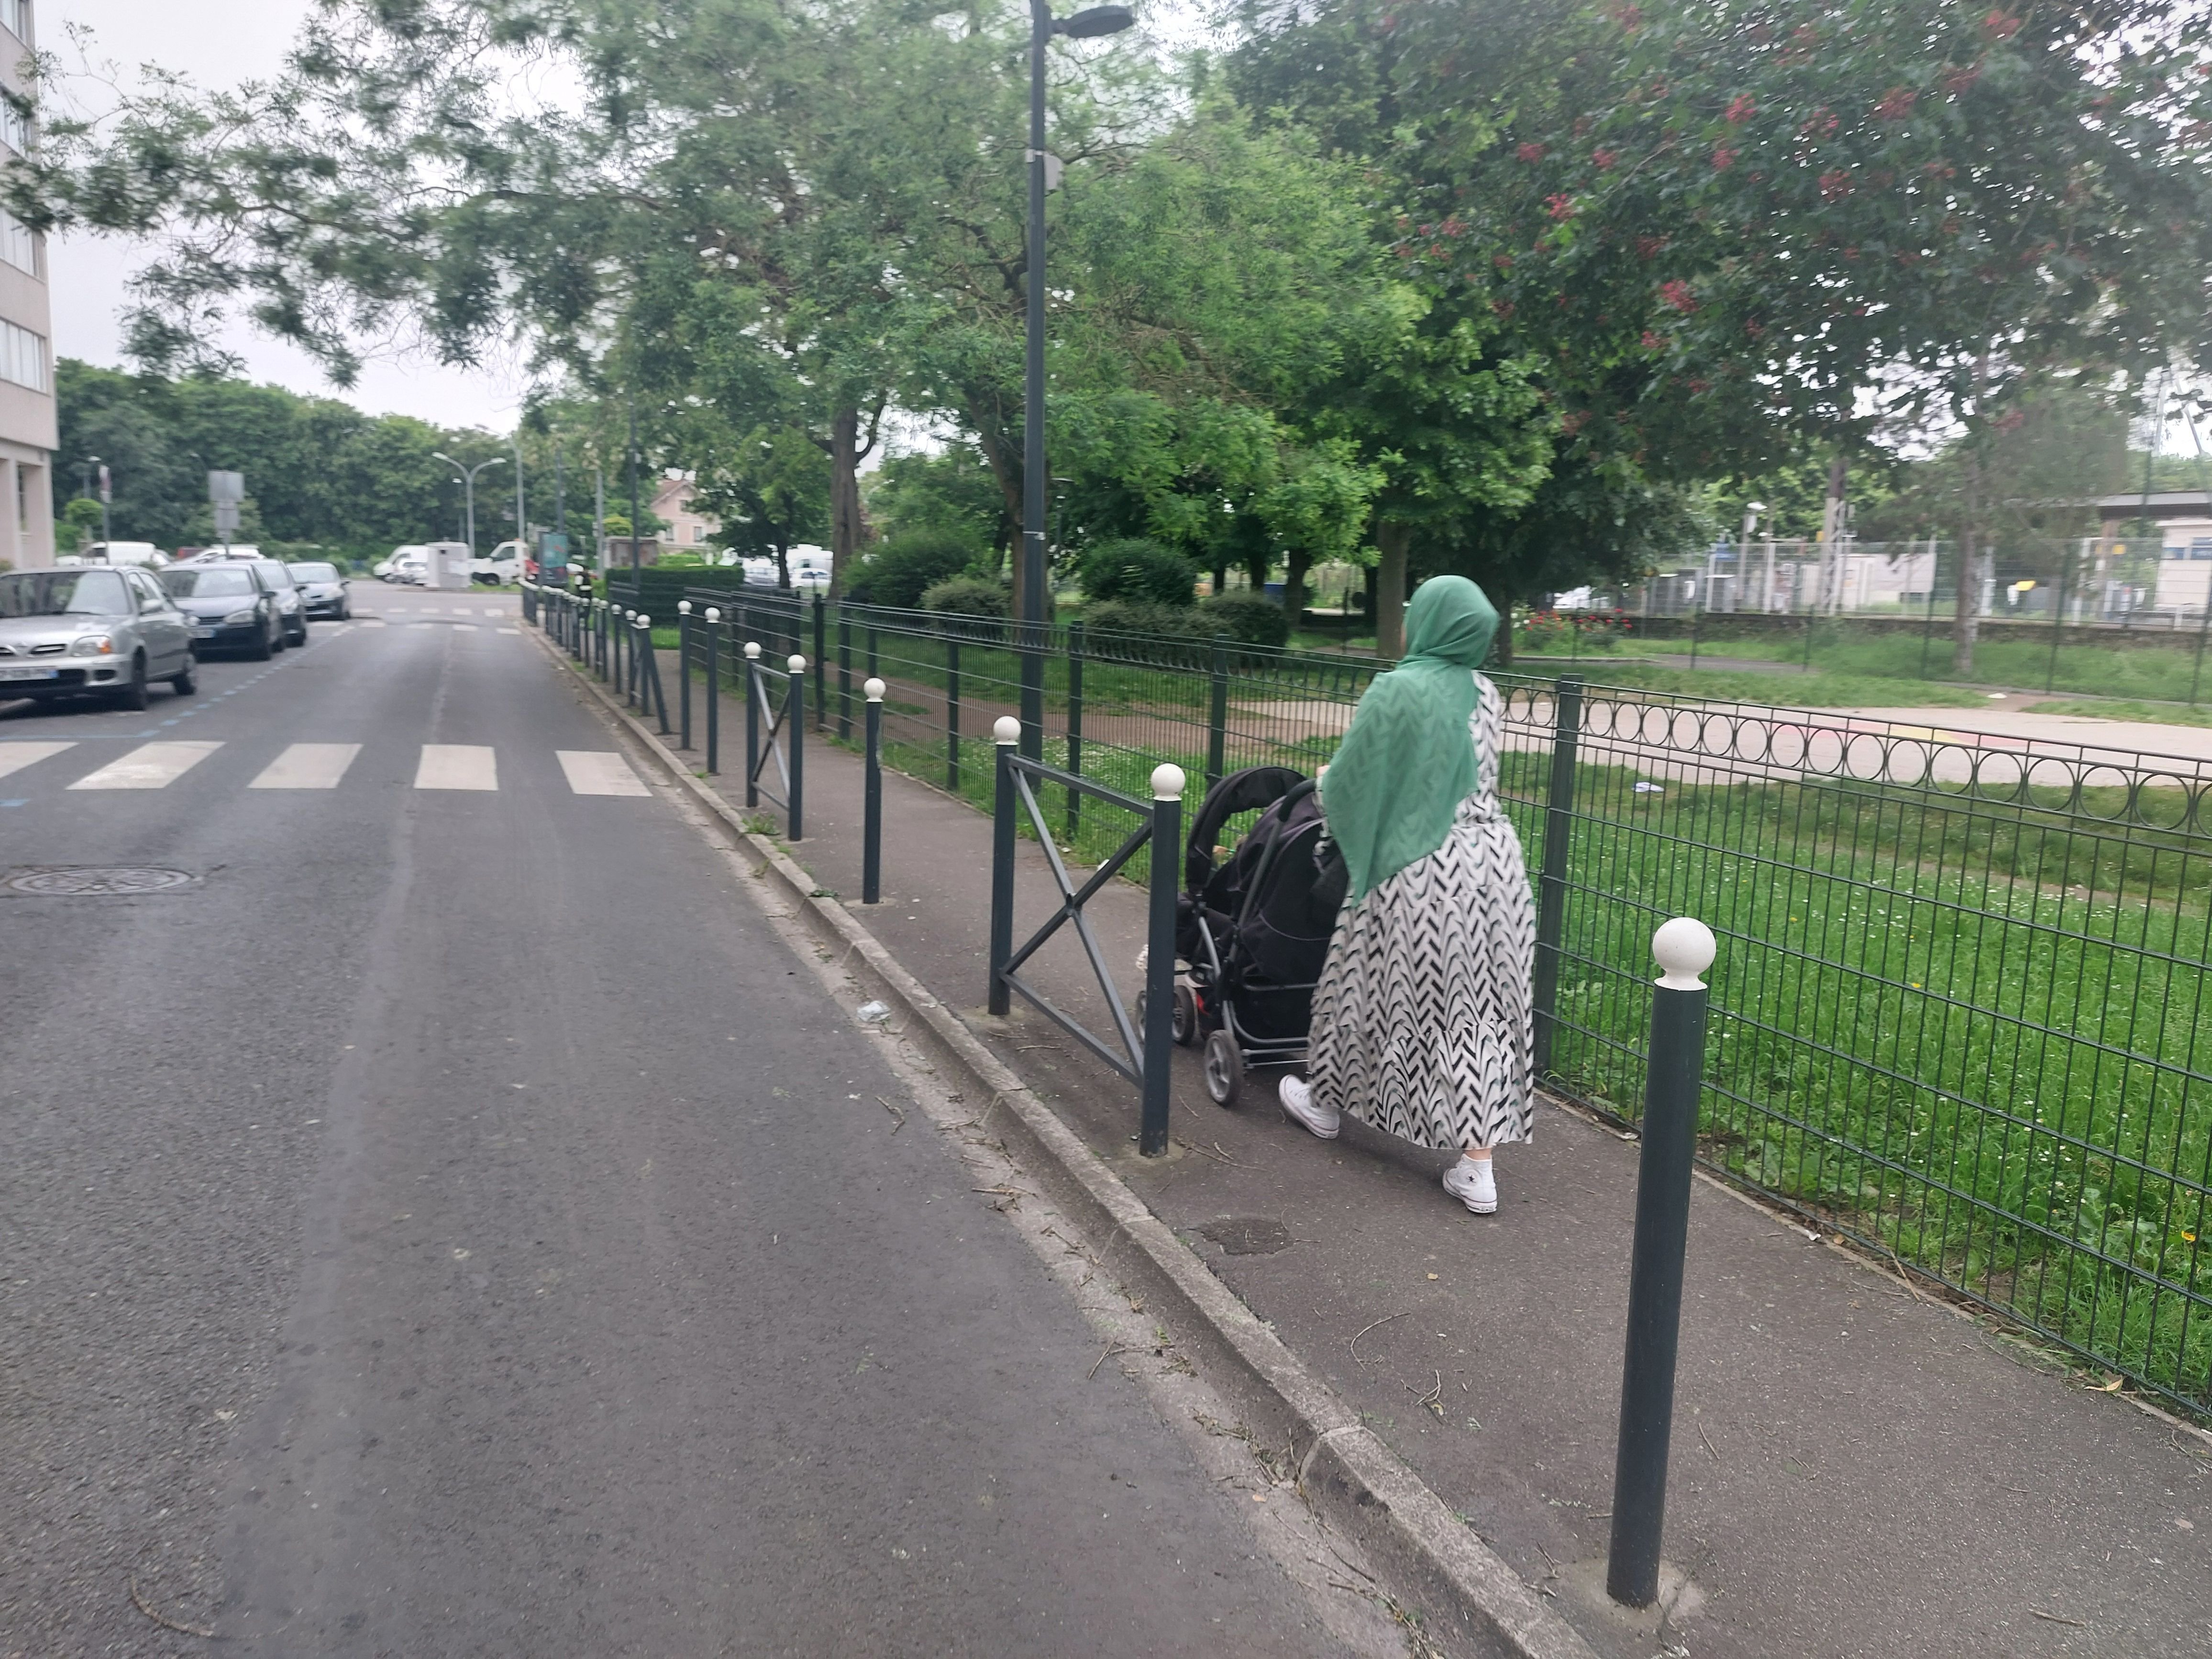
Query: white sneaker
{"points": [[1475, 1184], [1297, 1096]]}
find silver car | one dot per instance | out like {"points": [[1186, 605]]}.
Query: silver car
{"points": [[323, 590], [91, 632]]}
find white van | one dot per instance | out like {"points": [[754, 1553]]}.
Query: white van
{"points": [[505, 565], [144, 553], [406, 564]]}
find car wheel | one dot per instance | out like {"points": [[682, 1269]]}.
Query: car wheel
{"points": [[133, 696], [263, 647], [185, 683], [345, 611]]}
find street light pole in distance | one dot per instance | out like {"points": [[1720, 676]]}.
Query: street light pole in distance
{"points": [[1088, 25], [469, 489]]}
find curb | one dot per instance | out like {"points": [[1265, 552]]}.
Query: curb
{"points": [[1346, 1470]]}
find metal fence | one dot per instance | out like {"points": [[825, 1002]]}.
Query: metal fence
{"points": [[1960, 1011]]}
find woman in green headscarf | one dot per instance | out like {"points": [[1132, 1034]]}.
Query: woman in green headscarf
{"points": [[1421, 1022]]}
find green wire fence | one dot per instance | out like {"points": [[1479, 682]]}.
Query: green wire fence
{"points": [[1959, 1012]]}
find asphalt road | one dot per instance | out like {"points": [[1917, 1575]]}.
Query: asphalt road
{"points": [[452, 1223]]}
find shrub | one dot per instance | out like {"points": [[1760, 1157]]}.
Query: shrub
{"points": [[969, 596], [1165, 621], [1133, 569], [1248, 618], [900, 571]]}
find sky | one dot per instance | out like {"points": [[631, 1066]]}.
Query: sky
{"points": [[220, 43]]}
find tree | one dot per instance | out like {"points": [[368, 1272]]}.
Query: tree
{"points": [[771, 489], [1858, 220], [78, 526], [1737, 233], [319, 470]]}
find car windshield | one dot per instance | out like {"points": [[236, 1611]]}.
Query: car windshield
{"points": [[316, 572], [207, 581], [63, 593]]}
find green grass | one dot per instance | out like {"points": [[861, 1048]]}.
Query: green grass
{"points": [[2125, 708], [1964, 1029], [1816, 691]]}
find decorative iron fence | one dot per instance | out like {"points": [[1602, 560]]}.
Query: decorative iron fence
{"points": [[1961, 1011]]}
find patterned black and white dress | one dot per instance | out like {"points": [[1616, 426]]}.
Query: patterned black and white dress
{"points": [[1421, 1022]]}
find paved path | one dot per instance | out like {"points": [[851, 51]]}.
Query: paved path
{"points": [[452, 1222], [1857, 1470]]}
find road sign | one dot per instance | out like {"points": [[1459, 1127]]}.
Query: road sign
{"points": [[226, 489], [107, 484]]}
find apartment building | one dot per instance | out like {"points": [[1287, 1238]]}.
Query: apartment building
{"points": [[28, 421]]}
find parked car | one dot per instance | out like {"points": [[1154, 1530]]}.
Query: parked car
{"points": [[216, 554], [231, 606], [291, 605], [90, 630], [323, 591]]}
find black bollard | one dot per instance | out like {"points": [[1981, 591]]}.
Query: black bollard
{"points": [[871, 811], [1684, 948]]}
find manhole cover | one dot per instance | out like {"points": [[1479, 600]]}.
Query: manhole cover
{"points": [[1248, 1235], [70, 880]]}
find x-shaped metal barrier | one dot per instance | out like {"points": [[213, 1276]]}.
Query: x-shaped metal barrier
{"points": [[1142, 1058], [783, 741]]}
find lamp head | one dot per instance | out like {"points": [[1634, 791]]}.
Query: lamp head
{"points": [[1093, 22]]}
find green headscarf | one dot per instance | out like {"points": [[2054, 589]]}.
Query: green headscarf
{"points": [[1406, 764]]}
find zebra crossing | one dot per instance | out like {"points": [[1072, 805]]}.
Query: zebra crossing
{"points": [[312, 766]]}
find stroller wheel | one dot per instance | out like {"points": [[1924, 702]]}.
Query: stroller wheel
{"points": [[1225, 1069], [1186, 1017]]}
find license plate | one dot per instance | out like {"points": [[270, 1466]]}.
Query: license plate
{"points": [[203, 633], [30, 673]]}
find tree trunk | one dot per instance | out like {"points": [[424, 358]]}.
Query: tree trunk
{"points": [[1295, 563], [1828, 594], [1968, 623], [1008, 472], [848, 524], [1501, 651], [1393, 540]]}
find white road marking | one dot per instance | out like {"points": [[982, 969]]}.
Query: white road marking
{"points": [[510, 630], [456, 766], [372, 622], [599, 772], [15, 756], [150, 766], [465, 628], [307, 766]]}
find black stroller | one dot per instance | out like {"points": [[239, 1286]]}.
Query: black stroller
{"points": [[1252, 931]]}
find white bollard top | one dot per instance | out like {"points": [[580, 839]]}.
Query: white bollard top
{"points": [[1685, 948], [796, 664], [640, 619], [873, 690], [683, 607], [1007, 730], [752, 649], [714, 613], [1167, 783]]}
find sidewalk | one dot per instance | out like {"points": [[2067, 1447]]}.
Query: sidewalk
{"points": [[1857, 1470]]}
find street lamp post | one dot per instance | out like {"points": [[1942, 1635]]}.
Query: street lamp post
{"points": [[1083, 26], [469, 491]]}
